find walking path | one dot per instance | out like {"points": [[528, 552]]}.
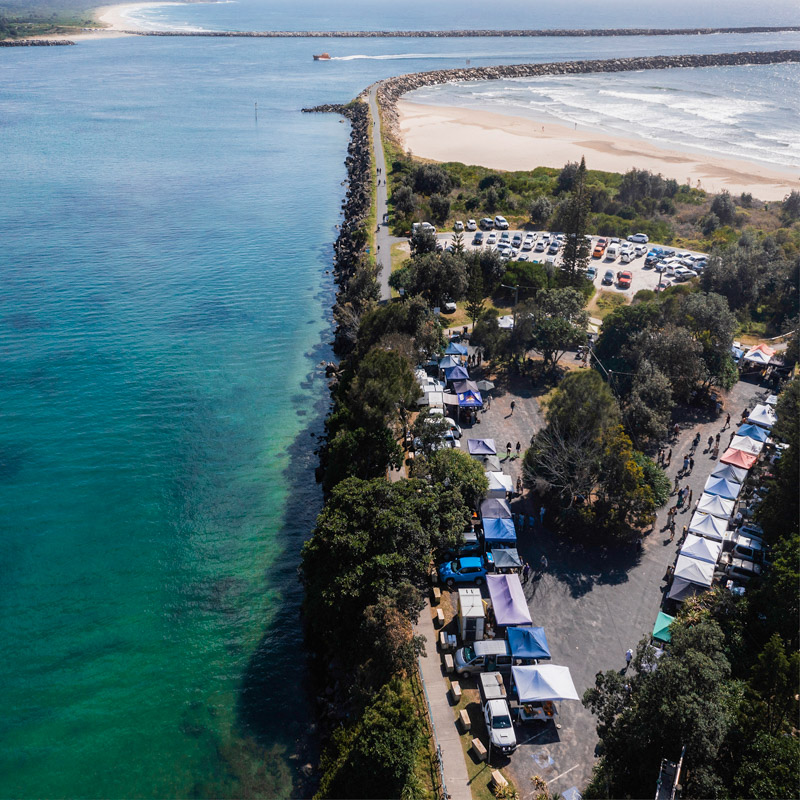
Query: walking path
{"points": [[383, 239], [445, 733]]}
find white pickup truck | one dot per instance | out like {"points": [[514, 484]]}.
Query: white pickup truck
{"points": [[497, 714]]}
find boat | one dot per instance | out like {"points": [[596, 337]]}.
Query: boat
{"points": [[322, 57]]}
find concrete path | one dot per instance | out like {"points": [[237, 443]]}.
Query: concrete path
{"points": [[445, 732], [383, 240]]}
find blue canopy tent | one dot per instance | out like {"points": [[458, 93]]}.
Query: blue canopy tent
{"points": [[528, 643], [448, 362], [754, 432], [481, 447], [456, 349], [456, 374], [470, 399], [499, 531]]}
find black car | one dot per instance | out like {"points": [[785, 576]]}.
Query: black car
{"points": [[477, 239]]}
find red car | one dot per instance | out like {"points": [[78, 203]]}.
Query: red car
{"points": [[624, 279]]}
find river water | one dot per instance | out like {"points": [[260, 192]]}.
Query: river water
{"points": [[165, 306]]}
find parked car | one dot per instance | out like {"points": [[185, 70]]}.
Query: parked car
{"points": [[540, 245], [472, 546], [624, 279], [505, 236], [491, 239], [641, 238], [458, 226], [488, 655], [591, 272], [449, 306], [477, 239], [487, 223], [553, 249], [501, 223], [612, 251], [608, 278], [471, 225], [470, 569], [625, 257], [684, 274], [740, 569], [599, 248], [640, 250], [517, 240], [498, 723], [527, 244]]}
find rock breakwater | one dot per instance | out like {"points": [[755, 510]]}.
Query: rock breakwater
{"points": [[478, 33], [390, 90], [35, 42]]}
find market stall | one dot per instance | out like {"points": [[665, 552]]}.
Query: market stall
{"points": [[499, 532], [729, 473], [738, 458], [722, 488], [495, 508], [701, 548], [763, 415], [500, 485], [748, 444], [528, 643], [508, 600], [661, 630], [715, 505], [539, 688], [709, 526], [478, 448], [506, 559]]}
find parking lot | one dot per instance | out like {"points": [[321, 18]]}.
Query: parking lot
{"points": [[538, 249]]}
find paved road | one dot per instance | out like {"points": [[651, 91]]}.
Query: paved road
{"points": [[456, 778], [383, 240]]}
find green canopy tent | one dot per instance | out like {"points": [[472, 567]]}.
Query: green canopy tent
{"points": [[661, 628]]}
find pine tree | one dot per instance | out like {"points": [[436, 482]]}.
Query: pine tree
{"points": [[475, 292], [576, 214]]}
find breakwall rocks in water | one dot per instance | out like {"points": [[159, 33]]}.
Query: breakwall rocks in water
{"points": [[466, 34], [350, 244], [390, 90], [35, 42]]}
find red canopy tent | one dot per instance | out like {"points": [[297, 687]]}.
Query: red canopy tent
{"points": [[739, 458]]}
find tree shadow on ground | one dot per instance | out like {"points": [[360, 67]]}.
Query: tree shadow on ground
{"points": [[580, 565]]}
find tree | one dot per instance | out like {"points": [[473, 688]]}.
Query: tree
{"points": [[475, 292], [773, 682], [440, 208], [430, 179], [383, 383], [648, 408], [583, 401], [540, 210], [434, 276], [422, 242], [566, 178], [576, 213], [723, 206], [458, 243], [790, 207], [405, 202], [362, 453], [429, 431], [455, 470], [655, 477]]}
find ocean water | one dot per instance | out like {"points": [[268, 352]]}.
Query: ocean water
{"points": [[743, 112], [164, 306]]}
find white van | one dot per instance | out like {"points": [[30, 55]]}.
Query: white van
{"points": [[612, 251], [492, 655]]}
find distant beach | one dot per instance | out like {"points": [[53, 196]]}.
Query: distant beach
{"points": [[118, 17], [505, 142]]}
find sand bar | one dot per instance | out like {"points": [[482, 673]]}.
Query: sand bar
{"points": [[500, 141], [118, 17]]}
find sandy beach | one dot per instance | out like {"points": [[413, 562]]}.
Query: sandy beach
{"points": [[118, 17], [498, 141]]}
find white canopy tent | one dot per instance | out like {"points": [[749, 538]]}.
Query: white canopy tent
{"points": [[492, 464], [536, 684], [724, 488], [716, 505], [694, 571], [729, 472], [763, 415], [432, 399], [709, 526], [499, 484], [748, 444], [682, 590], [701, 548], [760, 354]]}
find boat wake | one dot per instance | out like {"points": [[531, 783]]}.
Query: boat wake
{"points": [[407, 56]]}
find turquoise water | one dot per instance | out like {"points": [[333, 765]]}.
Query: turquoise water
{"points": [[164, 306]]}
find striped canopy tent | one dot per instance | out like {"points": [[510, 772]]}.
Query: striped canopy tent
{"points": [[763, 415], [661, 628], [715, 505], [753, 431], [760, 354], [729, 473], [708, 525], [495, 508], [752, 446], [456, 349], [701, 548], [738, 458], [727, 489]]}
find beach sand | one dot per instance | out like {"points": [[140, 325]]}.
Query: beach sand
{"points": [[116, 17], [498, 141]]}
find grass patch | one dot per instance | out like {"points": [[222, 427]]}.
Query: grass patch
{"points": [[426, 766], [603, 303]]}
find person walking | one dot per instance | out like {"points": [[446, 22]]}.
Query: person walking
{"points": [[513, 404], [683, 534], [508, 450], [519, 484], [526, 571], [715, 452], [689, 503], [691, 465], [679, 504], [727, 422], [686, 463], [660, 460], [710, 444], [669, 457], [695, 442], [519, 449], [671, 529], [717, 438], [675, 485], [628, 657], [543, 562]]}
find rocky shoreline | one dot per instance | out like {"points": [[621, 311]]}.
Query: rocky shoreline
{"points": [[480, 33], [391, 89], [34, 42]]}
